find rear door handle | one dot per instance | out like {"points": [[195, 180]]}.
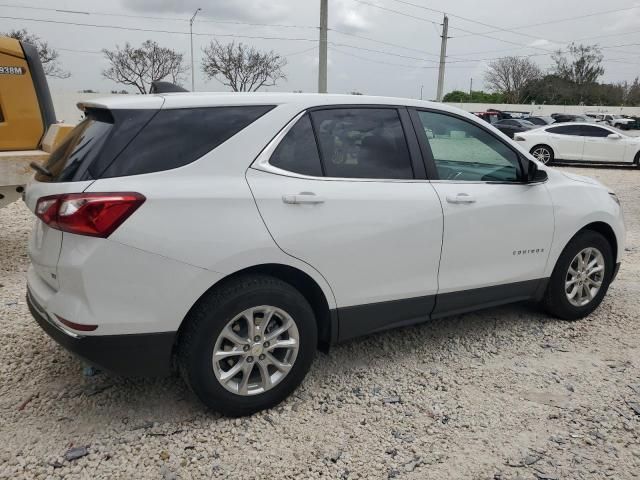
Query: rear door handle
{"points": [[308, 198], [461, 198]]}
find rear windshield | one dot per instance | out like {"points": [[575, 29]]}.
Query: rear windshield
{"points": [[82, 145], [131, 142]]}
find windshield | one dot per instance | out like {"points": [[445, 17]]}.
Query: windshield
{"points": [[618, 131]]}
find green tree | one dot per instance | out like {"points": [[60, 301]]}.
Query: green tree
{"points": [[580, 64]]}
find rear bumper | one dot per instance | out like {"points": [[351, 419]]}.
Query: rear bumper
{"points": [[145, 354]]}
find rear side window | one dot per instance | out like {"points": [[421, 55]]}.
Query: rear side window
{"points": [[574, 130], [298, 152], [362, 143], [177, 137]]}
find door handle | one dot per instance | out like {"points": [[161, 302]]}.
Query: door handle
{"points": [[461, 198], [308, 198]]}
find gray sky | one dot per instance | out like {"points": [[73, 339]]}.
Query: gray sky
{"points": [[355, 63]]}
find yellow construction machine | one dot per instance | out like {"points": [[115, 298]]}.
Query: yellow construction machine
{"points": [[28, 128]]}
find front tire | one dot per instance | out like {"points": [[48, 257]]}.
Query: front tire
{"points": [[247, 345], [543, 153], [581, 277]]}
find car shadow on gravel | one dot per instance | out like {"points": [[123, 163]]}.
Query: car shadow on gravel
{"points": [[168, 399], [486, 331]]}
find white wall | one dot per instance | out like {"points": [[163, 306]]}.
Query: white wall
{"points": [[65, 103], [66, 110], [546, 110]]}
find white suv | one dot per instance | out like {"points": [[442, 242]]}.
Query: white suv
{"points": [[231, 235]]}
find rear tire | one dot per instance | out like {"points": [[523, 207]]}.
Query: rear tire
{"points": [[219, 324], [543, 153], [587, 290]]}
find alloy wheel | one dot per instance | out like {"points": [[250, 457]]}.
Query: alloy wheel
{"points": [[542, 155], [584, 277], [256, 350]]}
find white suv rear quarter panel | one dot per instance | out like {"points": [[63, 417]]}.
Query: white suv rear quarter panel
{"points": [[203, 214]]}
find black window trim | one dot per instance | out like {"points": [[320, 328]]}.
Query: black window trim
{"points": [[427, 154], [262, 161]]}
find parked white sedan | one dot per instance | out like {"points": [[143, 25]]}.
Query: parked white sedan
{"points": [[584, 142]]}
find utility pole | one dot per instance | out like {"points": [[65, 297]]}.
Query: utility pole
{"points": [[193, 80], [421, 88], [322, 58], [443, 56], [470, 88]]}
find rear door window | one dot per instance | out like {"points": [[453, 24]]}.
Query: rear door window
{"points": [[591, 131], [574, 130], [362, 143]]}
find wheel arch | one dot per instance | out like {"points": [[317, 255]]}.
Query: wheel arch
{"points": [[326, 317], [606, 231]]}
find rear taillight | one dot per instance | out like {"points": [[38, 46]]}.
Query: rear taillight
{"points": [[93, 214]]}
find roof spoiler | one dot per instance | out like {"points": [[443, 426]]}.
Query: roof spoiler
{"points": [[165, 87]]}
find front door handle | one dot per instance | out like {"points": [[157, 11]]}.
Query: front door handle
{"points": [[308, 198], [461, 198]]}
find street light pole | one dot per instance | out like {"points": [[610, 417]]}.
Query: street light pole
{"points": [[193, 81]]}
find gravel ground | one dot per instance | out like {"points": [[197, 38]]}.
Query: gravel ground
{"points": [[506, 393]]}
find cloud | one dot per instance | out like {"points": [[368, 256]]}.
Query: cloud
{"points": [[350, 18], [541, 42], [245, 10]]}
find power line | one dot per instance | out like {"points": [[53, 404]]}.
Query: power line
{"points": [[391, 63], [606, 47], [175, 32], [381, 52], [517, 30], [381, 42], [170, 19], [496, 29], [398, 12]]}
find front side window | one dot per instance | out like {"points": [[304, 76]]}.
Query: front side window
{"points": [[362, 143], [573, 130], [463, 151], [298, 152]]}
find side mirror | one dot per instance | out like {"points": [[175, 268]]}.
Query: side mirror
{"points": [[614, 136], [534, 174]]}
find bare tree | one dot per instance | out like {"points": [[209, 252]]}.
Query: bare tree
{"points": [[510, 75], [241, 67], [140, 66], [583, 66], [48, 56]]}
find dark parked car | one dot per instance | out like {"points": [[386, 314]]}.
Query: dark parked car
{"points": [[542, 121], [512, 126], [567, 117]]}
